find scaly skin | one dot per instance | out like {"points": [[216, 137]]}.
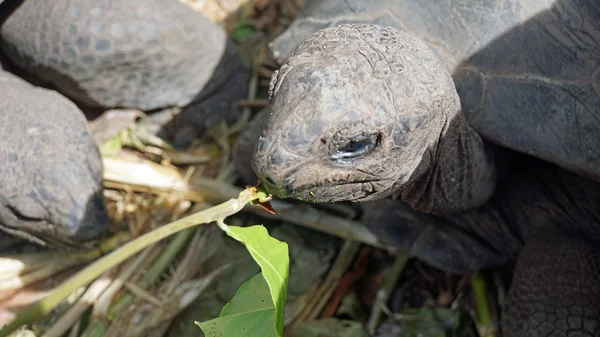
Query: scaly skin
{"points": [[544, 217], [415, 144], [324, 81], [518, 65]]}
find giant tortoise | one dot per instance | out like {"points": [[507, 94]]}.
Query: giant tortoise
{"points": [[143, 54], [470, 129]]}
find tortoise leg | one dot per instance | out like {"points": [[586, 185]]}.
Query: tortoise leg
{"points": [[438, 241], [556, 288]]}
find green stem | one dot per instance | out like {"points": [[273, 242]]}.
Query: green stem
{"points": [[155, 271], [384, 293], [481, 300], [98, 326], [91, 272]]}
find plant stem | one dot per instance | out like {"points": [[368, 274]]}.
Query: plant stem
{"points": [[91, 272], [155, 271], [384, 293], [481, 300]]}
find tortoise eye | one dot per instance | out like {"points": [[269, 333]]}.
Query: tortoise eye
{"points": [[355, 147]]}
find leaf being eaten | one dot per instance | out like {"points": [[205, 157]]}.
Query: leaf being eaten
{"points": [[250, 313]]}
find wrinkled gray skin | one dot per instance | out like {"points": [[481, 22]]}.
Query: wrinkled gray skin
{"points": [[144, 54], [365, 112]]}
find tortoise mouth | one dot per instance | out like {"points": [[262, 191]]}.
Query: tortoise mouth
{"points": [[354, 191]]}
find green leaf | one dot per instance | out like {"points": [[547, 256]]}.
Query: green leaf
{"points": [[273, 258], [249, 314], [253, 295], [243, 31]]}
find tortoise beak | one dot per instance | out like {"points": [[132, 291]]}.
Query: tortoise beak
{"points": [[273, 166], [273, 187]]}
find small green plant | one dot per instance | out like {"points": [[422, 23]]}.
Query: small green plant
{"points": [[257, 308]]}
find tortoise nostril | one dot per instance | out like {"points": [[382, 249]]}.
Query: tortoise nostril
{"points": [[270, 180]]}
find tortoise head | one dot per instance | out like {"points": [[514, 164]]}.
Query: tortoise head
{"points": [[355, 114]]}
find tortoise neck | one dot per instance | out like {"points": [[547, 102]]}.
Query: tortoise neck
{"points": [[462, 173]]}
